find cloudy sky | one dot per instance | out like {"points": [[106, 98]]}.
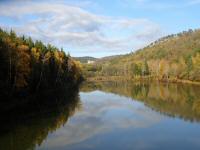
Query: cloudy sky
{"points": [[99, 27]]}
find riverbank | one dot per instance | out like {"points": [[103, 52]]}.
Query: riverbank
{"points": [[139, 79]]}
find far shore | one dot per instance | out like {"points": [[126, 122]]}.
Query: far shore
{"points": [[139, 79]]}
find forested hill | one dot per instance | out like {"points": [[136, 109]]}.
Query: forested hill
{"points": [[174, 57], [28, 67]]}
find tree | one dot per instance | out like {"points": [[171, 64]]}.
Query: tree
{"points": [[163, 69], [173, 70], [22, 69], [189, 65], [196, 67], [145, 68], [136, 69], [29, 42]]}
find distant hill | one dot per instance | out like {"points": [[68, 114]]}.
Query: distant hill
{"points": [[108, 58], [175, 56], [85, 59]]}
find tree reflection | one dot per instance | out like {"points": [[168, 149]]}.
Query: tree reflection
{"points": [[27, 127], [175, 100]]}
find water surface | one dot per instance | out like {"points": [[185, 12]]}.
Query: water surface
{"points": [[115, 115]]}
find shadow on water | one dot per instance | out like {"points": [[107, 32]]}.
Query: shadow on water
{"points": [[26, 127], [174, 100]]}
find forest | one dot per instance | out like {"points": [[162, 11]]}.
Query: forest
{"points": [[30, 67], [173, 58]]}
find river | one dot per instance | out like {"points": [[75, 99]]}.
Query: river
{"points": [[114, 115]]}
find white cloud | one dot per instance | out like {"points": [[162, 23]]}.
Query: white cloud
{"points": [[72, 26]]}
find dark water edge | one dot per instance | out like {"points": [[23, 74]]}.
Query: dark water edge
{"points": [[27, 125], [23, 98], [18, 108]]}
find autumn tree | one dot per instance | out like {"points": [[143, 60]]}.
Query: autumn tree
{"points": [[22, 69], [196, 68], [136, 69], [34, 67], [145, 68], [189, 65]]}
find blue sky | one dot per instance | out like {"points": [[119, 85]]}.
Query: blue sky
{"points": [[99, 27]]}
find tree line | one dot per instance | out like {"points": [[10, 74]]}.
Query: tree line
{"points": [[28, 67]]}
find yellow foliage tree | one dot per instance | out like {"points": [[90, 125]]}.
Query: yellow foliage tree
{"points": [[22, 66]]}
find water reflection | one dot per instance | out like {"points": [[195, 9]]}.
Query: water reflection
{"points": [[175, 100], [27, 128], [101, 114], [109, 115]]}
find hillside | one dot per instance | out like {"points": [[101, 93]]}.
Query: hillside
{"points": [[173, 57], [108, 58]]}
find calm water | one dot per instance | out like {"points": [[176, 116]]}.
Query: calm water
{"points": [[114, 116]]}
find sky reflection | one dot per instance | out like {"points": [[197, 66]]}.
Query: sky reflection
{"points": [[101, 113]]}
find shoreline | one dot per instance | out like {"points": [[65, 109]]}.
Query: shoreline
{"points": [[140, 79]]}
